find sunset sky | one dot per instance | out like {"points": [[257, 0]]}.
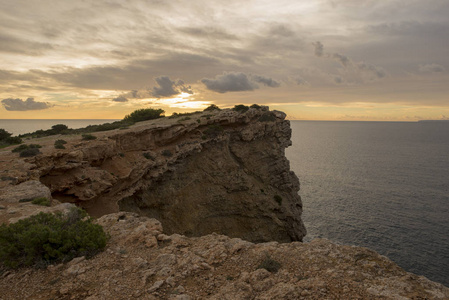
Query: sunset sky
{"points": [[315, 60]]}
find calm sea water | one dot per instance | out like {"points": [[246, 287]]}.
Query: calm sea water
{"points": [[17, 127], [380, 185]]}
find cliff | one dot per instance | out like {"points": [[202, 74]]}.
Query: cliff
{"points": [[221, 171]]}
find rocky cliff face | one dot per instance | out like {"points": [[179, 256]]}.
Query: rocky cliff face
{"points": [[221, 171]]}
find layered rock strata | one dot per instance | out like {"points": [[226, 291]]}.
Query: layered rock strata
{"points": [[222, 171]]}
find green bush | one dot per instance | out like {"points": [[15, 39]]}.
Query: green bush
{"points": [[270, 265], [144, 115], [256, 106], [4, 134], [50, 238], [59, 144], [12, 140], [29, 152], [41, 201], [26, 147], [88, 137], [212, 107], [241, 108], [58, 128]]}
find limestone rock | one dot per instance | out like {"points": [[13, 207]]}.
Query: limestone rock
{"points": [[27, 190], [222, 171], [217, 267]]}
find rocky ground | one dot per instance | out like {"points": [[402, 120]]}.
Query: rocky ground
{"points": [[141, 262]]}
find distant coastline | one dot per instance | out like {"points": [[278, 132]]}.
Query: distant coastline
{"points": [[439, 121]]}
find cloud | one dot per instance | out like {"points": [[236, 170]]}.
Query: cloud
{"points": [[120, 99], [361, 70], [265, 81], [431, 68], [168, 88], [319, 48], [237, 82], [230, 82], [378, 72], [11, 104], [209, 32], [342, 59]]}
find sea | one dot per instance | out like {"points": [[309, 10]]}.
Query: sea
{"points": [[380, 185]]}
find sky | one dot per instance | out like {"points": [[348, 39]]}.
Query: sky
{"points": [[361, 60]]}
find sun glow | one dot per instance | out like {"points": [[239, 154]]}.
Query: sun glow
{"points": [[183, 101]]}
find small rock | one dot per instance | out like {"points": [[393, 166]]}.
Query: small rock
{"points": [[156, 286]]}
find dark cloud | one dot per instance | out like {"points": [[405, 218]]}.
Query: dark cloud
{"points": [[168, 88], [265, 81], [230, 82], [319, 48], [237, 82], [342, 59], [20, 105], [120, 99], [431, 68]]}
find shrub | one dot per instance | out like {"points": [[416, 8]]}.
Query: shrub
{"points": [[20, 148], [41, 201], [212, 107], [88, 137], [241, 108], [144, 114], [278, 199], [59, 144], [270, 265], [4, 134], [29, 152], [256, 106], [58, 128], [12, 140], [50, 238]]}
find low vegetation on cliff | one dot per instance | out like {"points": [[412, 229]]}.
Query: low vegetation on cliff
{"points": [[134, 117], [6, 139], [49, 238]]}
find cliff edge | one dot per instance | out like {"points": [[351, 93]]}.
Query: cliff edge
{"points": [[220, 171]]}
